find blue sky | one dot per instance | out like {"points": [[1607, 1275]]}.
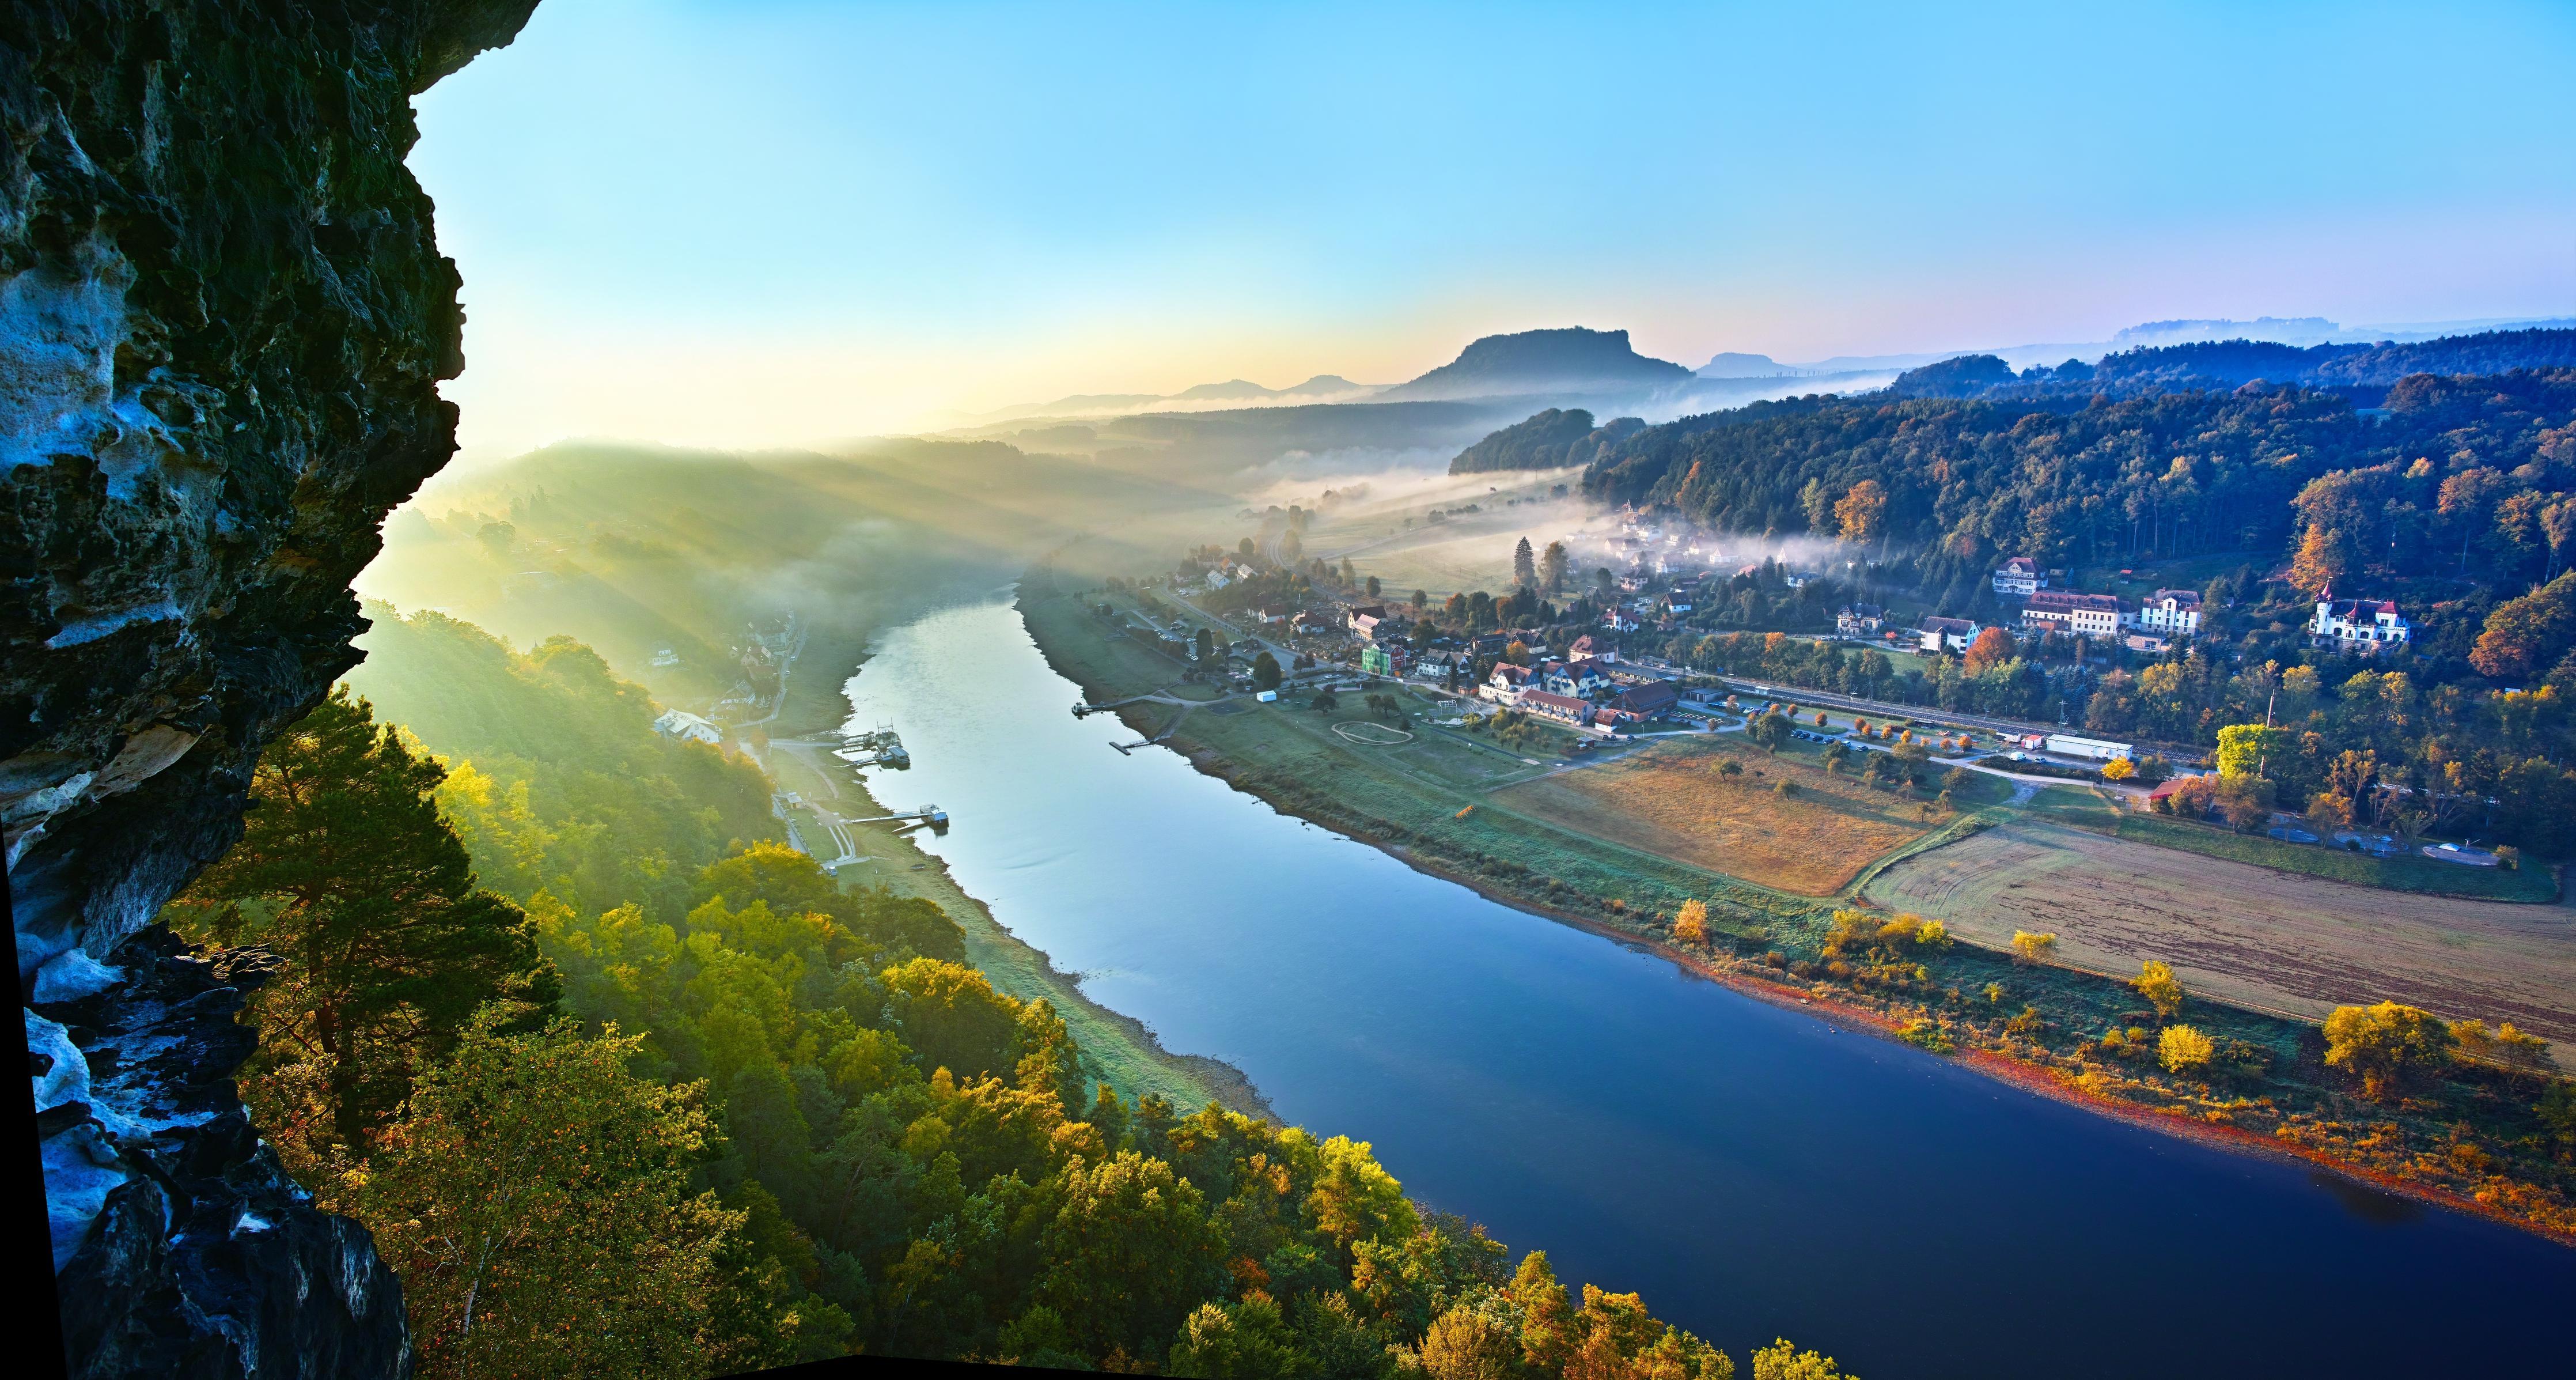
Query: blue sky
{"points": [[758, 222]]}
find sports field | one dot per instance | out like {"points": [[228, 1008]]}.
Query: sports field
{"points": [[1671, 800], [2251, 935]]}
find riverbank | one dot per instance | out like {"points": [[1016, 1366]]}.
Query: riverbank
{"points": [[2473, 1145], [1116, 1048]]}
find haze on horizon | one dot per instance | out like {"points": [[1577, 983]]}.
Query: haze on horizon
{"points": [[761, 224]]}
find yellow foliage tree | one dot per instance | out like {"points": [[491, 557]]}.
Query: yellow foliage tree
{"points": [[1692, 924], [2029, 948], [1862, 513], [2156, 982], [2183, 1049], [2384, 1043], [2118, 769]]}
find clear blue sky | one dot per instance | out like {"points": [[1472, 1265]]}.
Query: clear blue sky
{"points": [[758, 221]]}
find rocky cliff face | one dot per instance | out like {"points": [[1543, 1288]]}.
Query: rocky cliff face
{"points": [[223, 317]]}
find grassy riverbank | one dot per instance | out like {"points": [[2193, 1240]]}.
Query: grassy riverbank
{"points": [[1447, 803], [1117, 1049]]}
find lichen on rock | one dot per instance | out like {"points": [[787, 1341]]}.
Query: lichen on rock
{"points": [[223, 320]]}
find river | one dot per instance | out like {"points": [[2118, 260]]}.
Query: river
{"points": [[1751, 1170]]}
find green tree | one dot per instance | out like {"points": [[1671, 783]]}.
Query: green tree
{"points": [[1241, 1341], [1265, 672], [1130, 1253], [348, 872], [953, 1019], [535, 1199], [2386, 1045], [1524, 565], [2244, 748]]}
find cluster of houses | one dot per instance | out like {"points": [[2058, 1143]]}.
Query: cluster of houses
{"points": [[1581, 690], [2148, 625]]}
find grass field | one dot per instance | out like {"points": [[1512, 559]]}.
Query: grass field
{"points": [[1670, 799], [2084, 809], [2248, 934]]}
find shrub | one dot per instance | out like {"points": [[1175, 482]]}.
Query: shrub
{"points": [[2156, 982], [2029, 948], [2183, 1050]]}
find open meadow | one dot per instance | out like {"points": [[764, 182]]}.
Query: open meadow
{"points": [[2252, 935], [1671, 799]]}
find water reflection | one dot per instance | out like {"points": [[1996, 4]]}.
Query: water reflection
{"points": [[1751, 1170]]}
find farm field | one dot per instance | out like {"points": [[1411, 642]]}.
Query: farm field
{"points": [[1670, 800], [2248, 934]]}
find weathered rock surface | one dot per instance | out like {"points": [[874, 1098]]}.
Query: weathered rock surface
{"points": [[223, 318]]}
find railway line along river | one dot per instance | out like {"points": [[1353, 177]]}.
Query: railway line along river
{"points": [[1751, 1170]]}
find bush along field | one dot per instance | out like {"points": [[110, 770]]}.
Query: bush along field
{"points": [[2466, 1113]]}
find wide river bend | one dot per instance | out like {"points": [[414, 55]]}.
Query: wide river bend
{"points": [[1751, 1170]]}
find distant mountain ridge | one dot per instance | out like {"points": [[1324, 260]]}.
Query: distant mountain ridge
{"points": [[1567, 359]]}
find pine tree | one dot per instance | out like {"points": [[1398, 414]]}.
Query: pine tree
{"points": [[1524, 565], [348, 872]]}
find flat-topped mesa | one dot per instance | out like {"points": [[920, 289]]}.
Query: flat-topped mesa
{"points": [[223, 319]]}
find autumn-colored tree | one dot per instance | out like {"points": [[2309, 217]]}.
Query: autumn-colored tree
{"points": [[1547, 1317], [1240, 1341], [2385, 1044], [1781, 1361], [2246, 801], [2526, 635], [1691, 924], [348, 872], [2156, 982], [535, 1199], [1552, 565], [2325, 556], [1993, 647], [2118, 769], [1466, 1344], [2029, 948], [1861, 515], [2182, 1049]]}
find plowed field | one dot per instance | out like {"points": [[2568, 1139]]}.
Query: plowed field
{"points": [[2249, 934]]}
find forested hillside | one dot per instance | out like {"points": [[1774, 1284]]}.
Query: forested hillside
{"points": [[2165, 473], [556, 776], [1553, 439], [627, 1089]]}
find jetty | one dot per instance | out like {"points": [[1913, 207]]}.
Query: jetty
{"points": [[931, 815], [880, 748]]}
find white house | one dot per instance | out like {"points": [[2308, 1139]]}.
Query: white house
{"points": [[2020, 577], [1508, 683], [2357, 625], [1948, 634], [678, 723], [1858, 620], [2169, 611], [1217, 579]]}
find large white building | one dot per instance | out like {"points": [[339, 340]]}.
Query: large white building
{"points": [[2170, 611], [2085, 615], [1947, 634], [2357, 625], [2020, 577]]}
